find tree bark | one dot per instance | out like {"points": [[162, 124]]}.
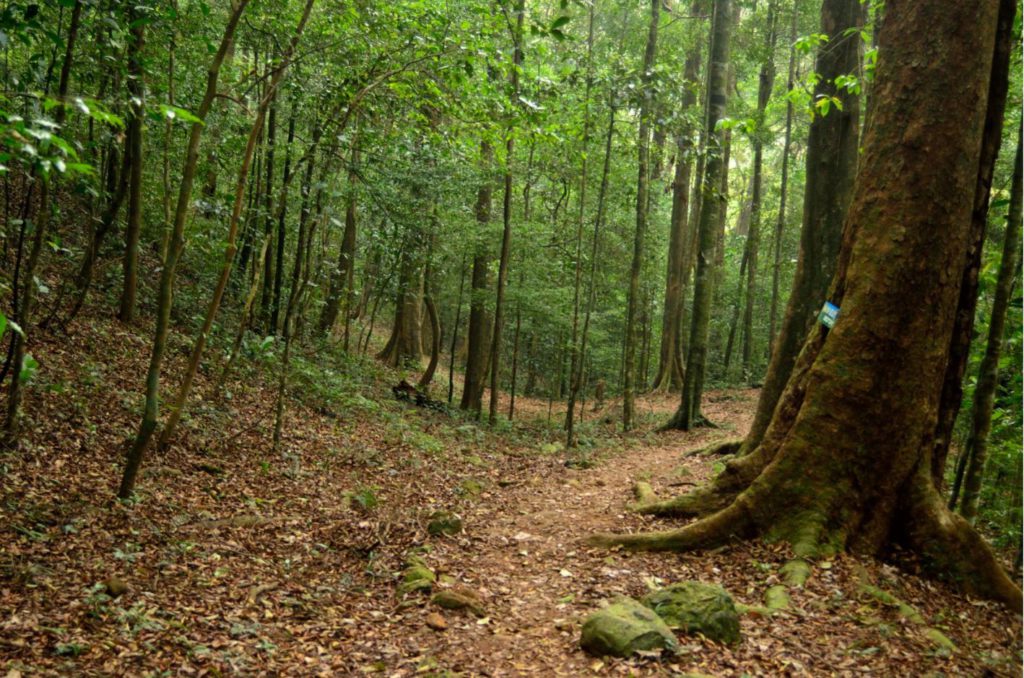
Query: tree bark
{"points": [[136, 90], [766, 80], [506, 235], [846, 461], [780, 221], [342, 275]]}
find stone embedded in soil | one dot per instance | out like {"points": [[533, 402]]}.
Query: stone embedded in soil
{"points": [[114, 587], [444, 522], [416, 577], [695, 607], [460, 598], [624, 628], [436, 621]]}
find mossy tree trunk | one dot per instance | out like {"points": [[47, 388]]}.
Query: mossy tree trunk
{"points": [[846, 460], [711, 204]]}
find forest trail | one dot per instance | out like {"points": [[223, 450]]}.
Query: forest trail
{"points": [[524, 553]]}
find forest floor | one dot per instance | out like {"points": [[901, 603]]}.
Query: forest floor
{"points": [[234, 559]]}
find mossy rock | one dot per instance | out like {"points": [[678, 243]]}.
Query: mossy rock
{"points": [[460, 598], [416, 577], [444, 522], [624, 628], [695, 607]]}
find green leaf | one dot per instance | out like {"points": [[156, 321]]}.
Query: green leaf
{"points": [[558, 23], [29, 367]]}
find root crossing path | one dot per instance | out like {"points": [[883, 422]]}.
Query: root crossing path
{"points": [[523, 554]]}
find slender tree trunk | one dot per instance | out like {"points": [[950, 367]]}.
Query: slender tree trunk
{"points": [[477, 336], [23, 307], [136, 90], [688, 415], [455, 330], [766, 80], [282, 211], [342, 274], [574, 360], [165, 297], [506, 235], [199, 344], [268, 224], [780, 222], [602, 193], [642, 187], [988, 372]]}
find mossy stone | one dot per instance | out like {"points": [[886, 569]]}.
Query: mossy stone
{"points": [[416, 576], [444, 522], [460, 599], [624, 628], [695, 607]]}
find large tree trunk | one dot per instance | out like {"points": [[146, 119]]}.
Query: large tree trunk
{"points": [[831, 168], [404, 348], [846, 460], [988, 372], [642, 185], [688, 414]]}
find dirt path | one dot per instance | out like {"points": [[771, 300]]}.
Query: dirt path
{"points": [[522, 552]]}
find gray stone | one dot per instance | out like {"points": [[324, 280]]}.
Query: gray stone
{"points": [[694, 607], [624, 628]]}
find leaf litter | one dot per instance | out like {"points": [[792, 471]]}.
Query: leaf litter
{"points": [[237, 561]]}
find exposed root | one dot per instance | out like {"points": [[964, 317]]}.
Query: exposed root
{"points": [[951, 548], [700, 502], [721, 492], [644, 493], [726, 447], [733, 522]]}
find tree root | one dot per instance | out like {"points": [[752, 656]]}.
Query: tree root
{"points": [[726, 447], [733, 522], [951, 548], [699, 502]]}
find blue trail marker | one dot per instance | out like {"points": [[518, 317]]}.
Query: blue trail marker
{"points": [[828, 315]]}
